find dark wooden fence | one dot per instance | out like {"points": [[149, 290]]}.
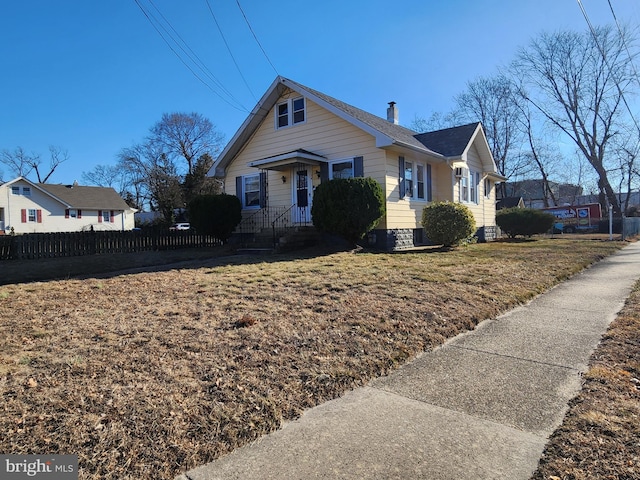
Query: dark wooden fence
{"points": [[52, 245]]}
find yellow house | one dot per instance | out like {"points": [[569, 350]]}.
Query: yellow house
{"points": [[296, 137], [27, 207]]}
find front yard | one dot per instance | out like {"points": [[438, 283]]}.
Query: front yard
{"points": [[146, 375]]}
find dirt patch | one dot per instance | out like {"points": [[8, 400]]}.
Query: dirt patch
{"points": [[146, 375]]}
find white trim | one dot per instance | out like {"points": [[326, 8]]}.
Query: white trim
{"points": [[306, 211], [286, 157], [244, 191], [342, 160], [290, 113], [414, 181]]}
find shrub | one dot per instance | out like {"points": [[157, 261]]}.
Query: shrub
{"points": [[349, 207], [448, 223], [216, 215], [524, 221]]}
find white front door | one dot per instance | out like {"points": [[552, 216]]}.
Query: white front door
{"points": [[302, 195]]}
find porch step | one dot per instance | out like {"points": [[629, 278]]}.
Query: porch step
{"points": [[300, 237]]}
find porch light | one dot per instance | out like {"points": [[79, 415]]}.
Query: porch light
{"points": [[318, 174], [284, 179]]}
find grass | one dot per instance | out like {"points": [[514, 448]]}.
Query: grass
{"points": [[147, 374]]}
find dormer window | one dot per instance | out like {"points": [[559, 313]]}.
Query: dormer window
{"points": [[290, 112]]}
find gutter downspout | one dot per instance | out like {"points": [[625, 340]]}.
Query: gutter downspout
{"points": [[453, 182], [8, 216]]}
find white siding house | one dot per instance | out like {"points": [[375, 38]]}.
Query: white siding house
{"points": [[27, 207]]}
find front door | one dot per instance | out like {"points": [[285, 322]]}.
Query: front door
{"points": [[302, 195]]}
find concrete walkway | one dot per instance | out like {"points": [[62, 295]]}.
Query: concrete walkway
{"points": [[480, 407]]}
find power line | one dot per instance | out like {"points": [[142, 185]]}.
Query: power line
{"points": [[190, 51], [624, 42], [229, 50], [604, 57], [190, 54], [255, 37]]}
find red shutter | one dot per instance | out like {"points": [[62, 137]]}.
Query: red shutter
{"points": [[99, 216], [23, 215], [79, 213], [39, 215], [111, 219], [66, 213]]}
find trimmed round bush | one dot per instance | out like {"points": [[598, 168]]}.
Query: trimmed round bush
{"points": [[448, 223], [348, 207], [216, 215], [524, 221]]}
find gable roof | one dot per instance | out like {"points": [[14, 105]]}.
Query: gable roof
{"points": [[448, 144], [80, 197], [451, 142], [90, 198]]}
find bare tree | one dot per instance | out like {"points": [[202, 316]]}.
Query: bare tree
{"points": [[493, 101], [578, 81], [102, 176], [18, 162], [186, 136], [172, 163], [21, 164], [537, 150], [436, 121]]}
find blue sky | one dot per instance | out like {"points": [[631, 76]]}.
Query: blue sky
{"points": [[92, 77]]}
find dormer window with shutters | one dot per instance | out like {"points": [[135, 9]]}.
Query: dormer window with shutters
{"points": [[290, 112]]}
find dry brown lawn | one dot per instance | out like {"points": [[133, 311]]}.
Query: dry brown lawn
{"points": [[146, 375]]}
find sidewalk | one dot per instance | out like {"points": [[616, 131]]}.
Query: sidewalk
{"points": [[482, 406]]}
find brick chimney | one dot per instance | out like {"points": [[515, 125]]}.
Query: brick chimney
{"points": [[392, 113]]}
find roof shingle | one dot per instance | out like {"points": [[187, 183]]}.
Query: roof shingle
{"points": [[88, 198]]}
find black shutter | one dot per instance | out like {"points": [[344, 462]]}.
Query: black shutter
{"points": [[239, 190], [324, 172], [429, 189], [263, 189], [402, 185], [358, 167]]}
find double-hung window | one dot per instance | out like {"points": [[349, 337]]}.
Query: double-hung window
{"points": [[251, 191], [291, 112], [464, 188], [26, 191], [415, 180], [33, 215], [15, 190], [487, 188], [408, 179], [469, 186], [341, 169], [420, 190], [473, 188]]}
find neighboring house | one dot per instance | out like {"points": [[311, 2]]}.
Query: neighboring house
{"points": [[510, 202], [297, 137], [28, 207], [534, 195]]}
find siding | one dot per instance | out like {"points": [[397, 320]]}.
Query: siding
{"points": [[323, 133], [53, 214], [328, 135], [484, 212], [407, 212]]}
